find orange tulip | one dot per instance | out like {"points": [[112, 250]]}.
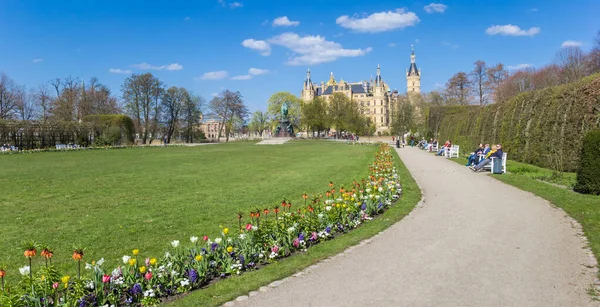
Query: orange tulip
{"points": [[2, 273], [46, 253], [30, 253], [77, 255]]}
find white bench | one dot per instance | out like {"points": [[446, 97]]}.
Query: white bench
{"points": [[452, 152], [489, 166], [434, 147], [61, 146]]}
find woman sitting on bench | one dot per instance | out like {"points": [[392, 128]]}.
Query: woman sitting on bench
{"points": [[496, 152]]}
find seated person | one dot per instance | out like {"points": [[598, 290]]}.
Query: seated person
{"points": [[446, 146], [475, 155], [496, 152]]}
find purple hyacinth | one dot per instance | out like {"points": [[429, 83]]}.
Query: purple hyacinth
{"points": [[380, 205], [301, 236], [242, 259], [364, 206], [213, 246], [82, 303], [192, 275], [137, 289], [328, 229], [203, 250]]}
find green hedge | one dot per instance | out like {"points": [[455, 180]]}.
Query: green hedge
{"points": [[112, 129], [588, 173], [543, 128]]}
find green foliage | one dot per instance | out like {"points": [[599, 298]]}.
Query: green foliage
{"points": [[588, 173], [274, 108], [314, 115], [403, 117], [543, 128], [112, 129]]}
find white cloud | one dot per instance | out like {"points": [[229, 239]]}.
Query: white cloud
{"points": [[146, 66], [251, 73], [257, 71], [265, 22], [261, 46], [571, 43], [119, 71], [311, 50], [392, 45], [435, 8], [284, 22], [511, 30], [379, 22], [519, 66], [231, 5], [214, 75], [37, 60], [449, 44], [242, 77]]}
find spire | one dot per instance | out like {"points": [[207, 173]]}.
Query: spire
{"points": [[308, 74], [412, 55]]}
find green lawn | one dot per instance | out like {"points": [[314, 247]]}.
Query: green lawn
{"points": [[543, 183], [112, 201]]}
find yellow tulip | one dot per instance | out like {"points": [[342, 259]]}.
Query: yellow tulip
{"points": [[198, 257], [136, 252], [229, 249], [225, 231], [132, 261], [153, 261], [65, 279], [143, 269]]}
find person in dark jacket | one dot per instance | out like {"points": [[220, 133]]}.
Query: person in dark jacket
{"points": [[498, 153], [473, 157]]}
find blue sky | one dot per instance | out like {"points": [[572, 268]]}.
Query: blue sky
{"points": [[248, 45]]}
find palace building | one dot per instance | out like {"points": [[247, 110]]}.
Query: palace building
{"points": [[374, 96]]}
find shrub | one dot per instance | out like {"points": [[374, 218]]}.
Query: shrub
{"points": [[588, 173], [106, 126]]}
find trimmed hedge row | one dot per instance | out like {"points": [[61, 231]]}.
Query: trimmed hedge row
{"points": [[588, 174], [543, 128], [27, 134]]}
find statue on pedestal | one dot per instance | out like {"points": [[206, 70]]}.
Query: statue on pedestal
{"points": [[285, 128]]}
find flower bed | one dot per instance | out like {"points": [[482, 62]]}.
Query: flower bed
{"points": [[262, 237]]}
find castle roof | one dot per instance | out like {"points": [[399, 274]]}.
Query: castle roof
{"points": [[355, 88], [413, 71]]}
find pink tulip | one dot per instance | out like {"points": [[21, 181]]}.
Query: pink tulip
{"points": [[248, 227], [275, 249], [296, 243], [205, 238], [105, 278], [147, 261], [148, 275], [55, 285]]}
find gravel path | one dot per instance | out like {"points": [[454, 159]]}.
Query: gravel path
{"points": [[473, 241]]}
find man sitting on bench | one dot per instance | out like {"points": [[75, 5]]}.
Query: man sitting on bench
{"points": [[495, 152]]}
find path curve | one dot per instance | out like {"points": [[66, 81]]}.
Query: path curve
{"points": [[474, 241]]}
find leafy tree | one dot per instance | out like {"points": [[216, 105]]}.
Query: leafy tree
{"points": [[314, 115], [403, 117], [190, 115], [336, 111], [274, 107], [259, 122]]}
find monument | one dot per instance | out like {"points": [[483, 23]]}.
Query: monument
{"points": [[285, 128]]}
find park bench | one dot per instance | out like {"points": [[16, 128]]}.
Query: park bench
{"points": [[452, 152], [61, 146], [434, 147], [489, 166]]}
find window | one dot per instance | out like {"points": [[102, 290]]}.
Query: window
{"points": [[374, 119], [382, 120], [362, 104], [374, 111], [381, 102], [381, 110], [368, 103]]}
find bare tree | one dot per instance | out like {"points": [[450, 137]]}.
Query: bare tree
{"points": [[227, 106], [64, 107], [173, 102], [96, 99], [42, 99], [25, 108], [8, 101], [480, 81], [572, 61], [496, 75], [139, 94], [458, 88], [435, 98]]}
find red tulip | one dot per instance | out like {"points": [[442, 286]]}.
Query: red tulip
{"points": [[105, 278], [148, 275]]}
